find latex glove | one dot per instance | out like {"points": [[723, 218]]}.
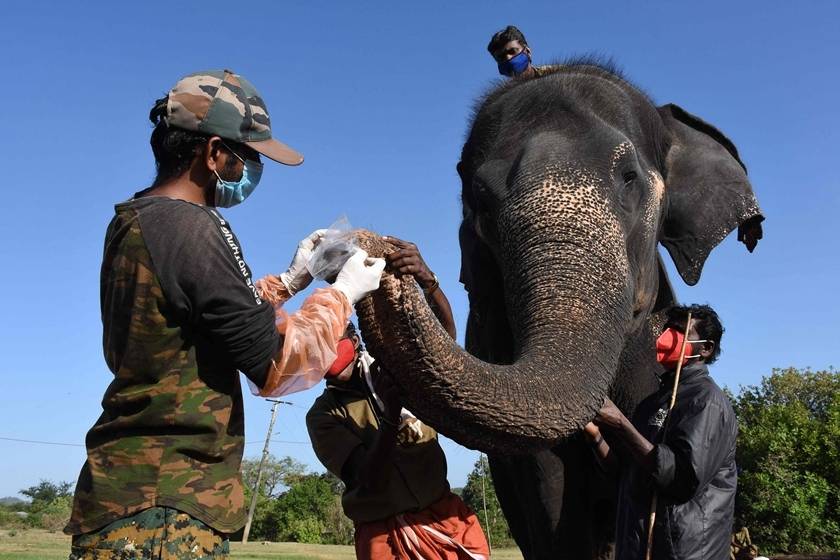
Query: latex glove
{"points": [[359, 276], [297, 277]]}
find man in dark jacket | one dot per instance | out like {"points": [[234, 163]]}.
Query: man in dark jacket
{"points": [[686, 456]]}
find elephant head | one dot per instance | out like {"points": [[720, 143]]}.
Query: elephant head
{"points": [[569, 181]]}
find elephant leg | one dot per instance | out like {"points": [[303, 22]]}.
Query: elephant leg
{"points": [[507, 487], [587, 523], [558, 503], [530, 490]]}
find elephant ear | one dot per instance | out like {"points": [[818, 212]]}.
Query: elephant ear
{"points": [[707, 190]]}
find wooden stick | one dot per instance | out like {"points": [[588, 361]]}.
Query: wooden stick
{"points": [[652, 517]]}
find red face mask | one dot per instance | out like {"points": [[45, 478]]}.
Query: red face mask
{"points": [[346, 353], [668, 347]]}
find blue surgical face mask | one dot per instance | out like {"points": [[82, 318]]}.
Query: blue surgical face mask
{"points": [[231, 193], [515, 65]]}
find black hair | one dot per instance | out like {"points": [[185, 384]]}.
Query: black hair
{"points": [[174, 148], [350, 330], [707, 324], [505, 36]]}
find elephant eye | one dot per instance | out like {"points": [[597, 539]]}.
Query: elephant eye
{"points": [[482, 195], [629, 177]]}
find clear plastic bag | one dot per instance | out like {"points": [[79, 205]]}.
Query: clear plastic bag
{"points": [[332, 252]]}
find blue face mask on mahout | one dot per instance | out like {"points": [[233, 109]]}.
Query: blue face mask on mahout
{"points": [[231, 193], [515, 65]]}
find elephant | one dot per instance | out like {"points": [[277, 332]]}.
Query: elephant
{"points": [[569, 182]]}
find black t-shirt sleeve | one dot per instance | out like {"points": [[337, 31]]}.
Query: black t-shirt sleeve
{"points": [[208, 285]]}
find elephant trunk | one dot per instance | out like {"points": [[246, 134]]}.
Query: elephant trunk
{"points": [[569, 301]]}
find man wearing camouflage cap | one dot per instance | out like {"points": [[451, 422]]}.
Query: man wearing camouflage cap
{"points": [[181, 315]]}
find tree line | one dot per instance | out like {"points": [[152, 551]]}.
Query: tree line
{"points": [[788, 456]]}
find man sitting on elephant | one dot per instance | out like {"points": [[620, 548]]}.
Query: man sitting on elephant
{"points": [[686, 456], [392, 466], [511, 52]]}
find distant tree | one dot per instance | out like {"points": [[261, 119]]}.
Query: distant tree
{"points": [[338, 527], [788, 455], [306, 512], [46, 492], [276, 474], [480, 495]]}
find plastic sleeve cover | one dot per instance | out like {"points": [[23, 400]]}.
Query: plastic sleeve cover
{"points": [[310, 336]]}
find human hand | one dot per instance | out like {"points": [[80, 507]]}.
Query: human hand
{"points": [[297, 277], [592, 432], [407, 260], [610, 416], [359, 276]]}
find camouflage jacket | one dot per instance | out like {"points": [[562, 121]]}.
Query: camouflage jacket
{"points": [[180, 316], [545, 69]]}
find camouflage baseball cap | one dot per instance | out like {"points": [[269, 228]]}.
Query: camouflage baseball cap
{"points": [[222, 103]]}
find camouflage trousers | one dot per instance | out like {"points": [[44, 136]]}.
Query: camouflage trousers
{"points": [[157, 533]]}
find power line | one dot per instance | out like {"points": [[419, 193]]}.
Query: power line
{"points": [[280, 441], [293, 405], [42, 442]]}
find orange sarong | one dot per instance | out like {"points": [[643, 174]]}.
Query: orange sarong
{"points": [[447, 529]]}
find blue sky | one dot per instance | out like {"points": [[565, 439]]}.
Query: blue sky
{"points": [[377, 95]]}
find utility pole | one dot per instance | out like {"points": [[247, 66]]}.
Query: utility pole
{"points": [[255, 491], [484, 468]]}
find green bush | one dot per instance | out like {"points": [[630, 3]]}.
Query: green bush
{"points": [[11, 520], [304, 513], [305, 530], [55, 515], [788, 455]]}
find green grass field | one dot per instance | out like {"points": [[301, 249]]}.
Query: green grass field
{"points": [[37, 544]]}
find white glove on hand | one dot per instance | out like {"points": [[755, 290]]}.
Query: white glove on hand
{"points": [[297, 277], [359, 276]]}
